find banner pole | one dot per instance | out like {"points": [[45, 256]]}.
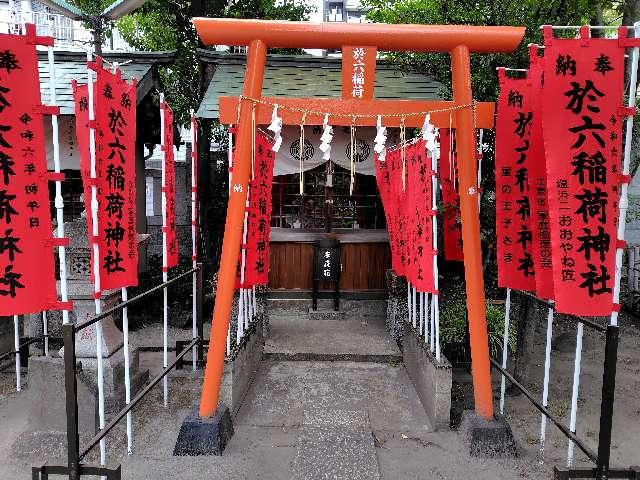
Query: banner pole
{"points": [[127, 374], [505, 347], [624, 188], [165, 263], [421, 297], [45, 332], [434, 235], [16, 343], [96, 257], [408, 301], [427, 319], [58, 201], [194, 226], [574, 391], [545, 387], [255, 302], [413, 306]]}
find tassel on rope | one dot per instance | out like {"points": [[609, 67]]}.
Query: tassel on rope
{"points": [[301, 153], [403, 152], [380, 140], [352, 159]]}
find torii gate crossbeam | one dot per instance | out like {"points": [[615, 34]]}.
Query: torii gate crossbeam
{"points": [[459, 42]]}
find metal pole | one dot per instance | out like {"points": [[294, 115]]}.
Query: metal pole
{"points": [[96, 257], [624, 188], [230, 157], [408, 301], [413, 306], [58, 200], [545, 388], [434, 236], [194, 224], [165, 267], [608, 396], [575, 390], [71, 401], [199, 316], [16, 343], [45, 333], [256, 59], [127, 374], [421, 312], [467, 176], [505, 347]]}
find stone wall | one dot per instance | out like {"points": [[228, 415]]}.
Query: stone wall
{"points": [[397, 308], [431, 379]]}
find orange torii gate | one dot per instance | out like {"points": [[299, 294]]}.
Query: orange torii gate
{"points": [[458, 41]]}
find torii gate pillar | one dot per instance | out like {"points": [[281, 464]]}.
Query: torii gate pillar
{"points": [[459, 42]]}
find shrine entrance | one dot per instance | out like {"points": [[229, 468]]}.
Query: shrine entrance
{"points": [[356, 108]]}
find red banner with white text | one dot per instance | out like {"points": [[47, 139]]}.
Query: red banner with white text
{"points": [[27, 272], [516, 268], [451, 226], [169, 188], [582, 126]]}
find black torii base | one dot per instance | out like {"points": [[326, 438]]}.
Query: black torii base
{"points": [[204, 436]]}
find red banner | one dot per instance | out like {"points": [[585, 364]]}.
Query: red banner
{"points": [[419, 221], [169, 188], [27, 272], [385, 172], [115, 137], [451, 226], [516, 268], [259, 219], [582, 120], [115, 109], [541, 228]]}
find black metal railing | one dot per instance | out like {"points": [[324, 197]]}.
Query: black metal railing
{"points": [[602, 457], [74, 469]]}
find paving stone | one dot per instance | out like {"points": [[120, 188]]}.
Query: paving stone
{"points": [[336, 454]]}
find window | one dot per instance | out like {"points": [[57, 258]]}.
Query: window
{"points": [[321, 205]]}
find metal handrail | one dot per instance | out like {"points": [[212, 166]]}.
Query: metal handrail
{"points": [[122, 413], [79, 326], [568, 433]]}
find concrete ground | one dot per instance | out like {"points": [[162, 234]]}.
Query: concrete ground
{"points": [[300, 420]]}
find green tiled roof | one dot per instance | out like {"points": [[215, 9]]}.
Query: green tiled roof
{"points": [[72, 66], [307, 77]]}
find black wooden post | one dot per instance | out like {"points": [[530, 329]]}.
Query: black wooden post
{"points": [[199, 319], [606, 407], [71, 393]]}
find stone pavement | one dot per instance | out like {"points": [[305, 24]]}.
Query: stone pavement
{"points": [[301, 420]]}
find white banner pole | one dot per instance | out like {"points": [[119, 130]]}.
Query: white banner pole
{"points": [[58, 201], [421, 297], [96, 257], [545, 387], [194, 222], [624, 187], [230, 156], [165, 262], [408, 301], [427, 320], [575, 391], [127, 374], [16, 343], [434, 235], [413, 306], [505, 347], [45, 333]]}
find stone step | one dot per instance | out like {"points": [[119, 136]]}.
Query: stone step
{"points": [[336, 445], [326, 314]]}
